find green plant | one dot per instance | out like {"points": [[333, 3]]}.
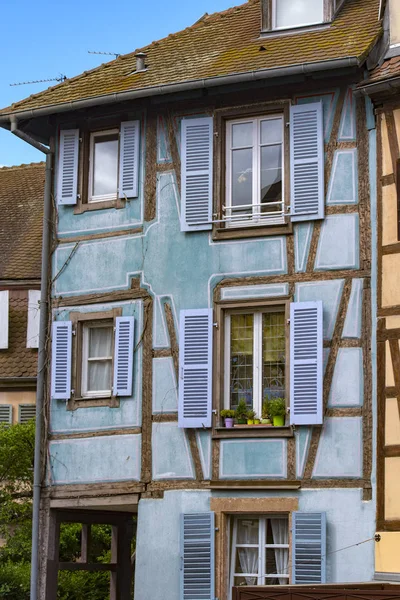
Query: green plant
{"points": [[265, 410], [228, 413], [277, 407], [241, 410], [251, 414]]}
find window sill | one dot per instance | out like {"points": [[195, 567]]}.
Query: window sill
{"points": [[246, 431], [75, 403], [105, 204], [229, 233]]}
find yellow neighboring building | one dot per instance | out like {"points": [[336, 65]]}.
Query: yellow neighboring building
{"points": [[21, 206], [383, 87]]}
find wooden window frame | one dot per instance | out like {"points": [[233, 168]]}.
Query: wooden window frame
{"points": [[86, 326], [85, 131], [267, 11], [78, 321], [224, 509], [262, 546], [222, 308], [266, 109], [256, 146], [92, 199]]}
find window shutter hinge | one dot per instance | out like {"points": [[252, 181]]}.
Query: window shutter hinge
{"points": [[216, 325], [288, 321], [72, 392], [287, 124], [214, 411], [74, 332], [216, 529], [78, 196], [80, 140]]}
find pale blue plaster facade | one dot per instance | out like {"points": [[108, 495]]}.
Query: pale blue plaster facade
{"points": [[183, 270]]}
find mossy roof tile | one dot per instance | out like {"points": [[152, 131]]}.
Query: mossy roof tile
{"points": [[220, 44]]}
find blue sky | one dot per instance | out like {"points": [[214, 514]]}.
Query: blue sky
{"points": [[43, 38]]}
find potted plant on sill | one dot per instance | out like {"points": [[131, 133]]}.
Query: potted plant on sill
{"points": [[265, 417], [250, 417], [277, 410], [241, 412], [229, 416]]}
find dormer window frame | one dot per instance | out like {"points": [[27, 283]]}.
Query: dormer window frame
{"points": [[268, 11]]}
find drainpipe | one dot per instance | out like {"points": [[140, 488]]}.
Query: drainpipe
{"points": [[40, 389]]}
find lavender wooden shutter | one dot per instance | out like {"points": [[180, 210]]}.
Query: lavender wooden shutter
{"points": [[129, 159], [197, 556], [306, 363], [123, 359], [197, 169], [61, 360], [4, 303], [307, 162], [67, 182], [195, 368], [309, 548]]}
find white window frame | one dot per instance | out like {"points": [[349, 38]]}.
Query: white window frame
{"points": [[85, 360], [257, 218], [274, 14], [257, 354], [101, 197], [262, 547]]}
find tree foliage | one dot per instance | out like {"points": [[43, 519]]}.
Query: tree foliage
{"points": [[16, 493]]}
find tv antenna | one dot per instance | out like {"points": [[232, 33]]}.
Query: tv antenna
{"points": [[60, 79], [105, 53]]}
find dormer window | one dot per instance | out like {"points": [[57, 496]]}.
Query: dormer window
{"points": [[281, 15], [296, 13]]}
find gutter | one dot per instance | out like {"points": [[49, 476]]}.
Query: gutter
{"points": [[390, 85], [42, 355], [195, 84]]}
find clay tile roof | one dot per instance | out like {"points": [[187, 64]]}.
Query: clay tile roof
{"points": [[21, 209], [388, 69], [18, 360], [220, 44]]}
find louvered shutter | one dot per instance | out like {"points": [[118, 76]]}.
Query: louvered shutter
{"points": [[197, 558], [197, 168], [129, 159], [309, 548], [4, 303], [5, 413], [61, 360], [123, 359], [67, 182], [195, 368], [32, 334], [306, 363], [26, 412], [307, 162]]}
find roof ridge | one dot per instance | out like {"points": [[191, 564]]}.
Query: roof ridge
{"points": [[201, 22], [23, 166]]}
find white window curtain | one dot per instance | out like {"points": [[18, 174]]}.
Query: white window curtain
{"points": [[280, 533], [248, 558]]}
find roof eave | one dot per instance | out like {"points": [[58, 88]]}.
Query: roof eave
{"points": [[196, 84]]}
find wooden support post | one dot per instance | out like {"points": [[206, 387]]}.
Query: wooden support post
{"points": [[85, 542], [53, 557]]}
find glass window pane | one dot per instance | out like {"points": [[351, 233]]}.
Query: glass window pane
{"points": [[105, 165], [271, 131], [294, 13], [99, 375], [247, 563], [100, 342], [271, 176], [244, 581], [241, 367], [247, 531], [242, 135], [242, 178], [274, 355]]}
